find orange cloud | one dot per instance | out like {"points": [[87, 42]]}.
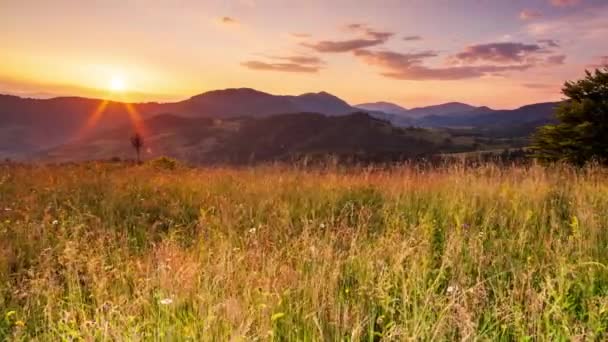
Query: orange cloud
{"points": [[228, 20], [303, 64]]}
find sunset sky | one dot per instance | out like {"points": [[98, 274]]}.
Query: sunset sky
{"points": [[498, 53]]}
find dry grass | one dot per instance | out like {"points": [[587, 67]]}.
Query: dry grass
{"points": [[110, 252]]}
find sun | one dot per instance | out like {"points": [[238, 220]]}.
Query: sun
{"points": [[117, 84]]}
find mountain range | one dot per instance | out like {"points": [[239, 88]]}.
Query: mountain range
{"points": [[221, 120]]}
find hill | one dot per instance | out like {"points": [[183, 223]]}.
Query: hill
{"points": [[250, 102], [27, 125], [59, 126], [386, 107], [357, 136], [451, 108]]}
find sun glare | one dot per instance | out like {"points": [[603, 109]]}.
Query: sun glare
{"points": [[117, 84]]}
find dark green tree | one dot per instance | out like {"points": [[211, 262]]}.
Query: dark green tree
{"points": [[137, 141], [581, 133]]}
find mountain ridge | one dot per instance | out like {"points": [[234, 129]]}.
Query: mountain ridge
{"points": [[28, 125]]}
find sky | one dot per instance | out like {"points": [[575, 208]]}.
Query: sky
{"points": [[498, 53]]}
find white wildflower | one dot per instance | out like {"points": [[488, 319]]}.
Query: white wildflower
{"points": [[55, 222], [252, 231], [322, 226], [452, 289], [166, 301]]}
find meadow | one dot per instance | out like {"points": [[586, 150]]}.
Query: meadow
{"points": [[110, 251]]}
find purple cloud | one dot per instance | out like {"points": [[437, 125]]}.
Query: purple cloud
{"points": [[556, 60], [412, 38], [329, 46], [409, 66], [368, 32], [370, 37], [301, 59], [549, 42], [507, 52]]}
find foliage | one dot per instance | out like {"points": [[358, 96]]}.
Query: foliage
{"points": [[116, 252], [582, 132]]}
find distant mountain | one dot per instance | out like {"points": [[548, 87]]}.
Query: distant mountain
{"points": [[284, 137], [386, 107], [321, 102], [249, 102], [523, 120], [444, 109], [30, 124]]}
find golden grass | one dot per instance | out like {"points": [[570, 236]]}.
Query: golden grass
{"points": [[115, 252]]}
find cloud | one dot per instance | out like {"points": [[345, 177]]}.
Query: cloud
{"points": [[328, 46], [565, 3], [589, 26], [549, 42], [503, 52], [539, 86], [300, 35], [409, 66], [285, 67], [311, 60], [369, 37], [412, 38], [601, 62], [369, 32], [228, 20], [303, 64], [556, 60], [528, 14]]}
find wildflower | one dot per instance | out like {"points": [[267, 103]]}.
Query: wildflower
{"points": [[166, 301], [19, 323], [452, 289], [55, 222], [252, 230], [322, 226]]}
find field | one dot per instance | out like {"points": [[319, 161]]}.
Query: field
{"points": [[157, 252]]}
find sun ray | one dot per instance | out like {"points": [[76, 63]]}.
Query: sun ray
{"points": [[92, 119], [136, 118]]}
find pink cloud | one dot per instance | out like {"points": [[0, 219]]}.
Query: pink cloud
{"points": [[565, 3], [529, 14]]}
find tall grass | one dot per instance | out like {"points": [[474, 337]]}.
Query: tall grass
{"points": [[110, 252]]}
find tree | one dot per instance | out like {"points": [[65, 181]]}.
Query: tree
{"points": [[137, 141], [581, 134]]}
